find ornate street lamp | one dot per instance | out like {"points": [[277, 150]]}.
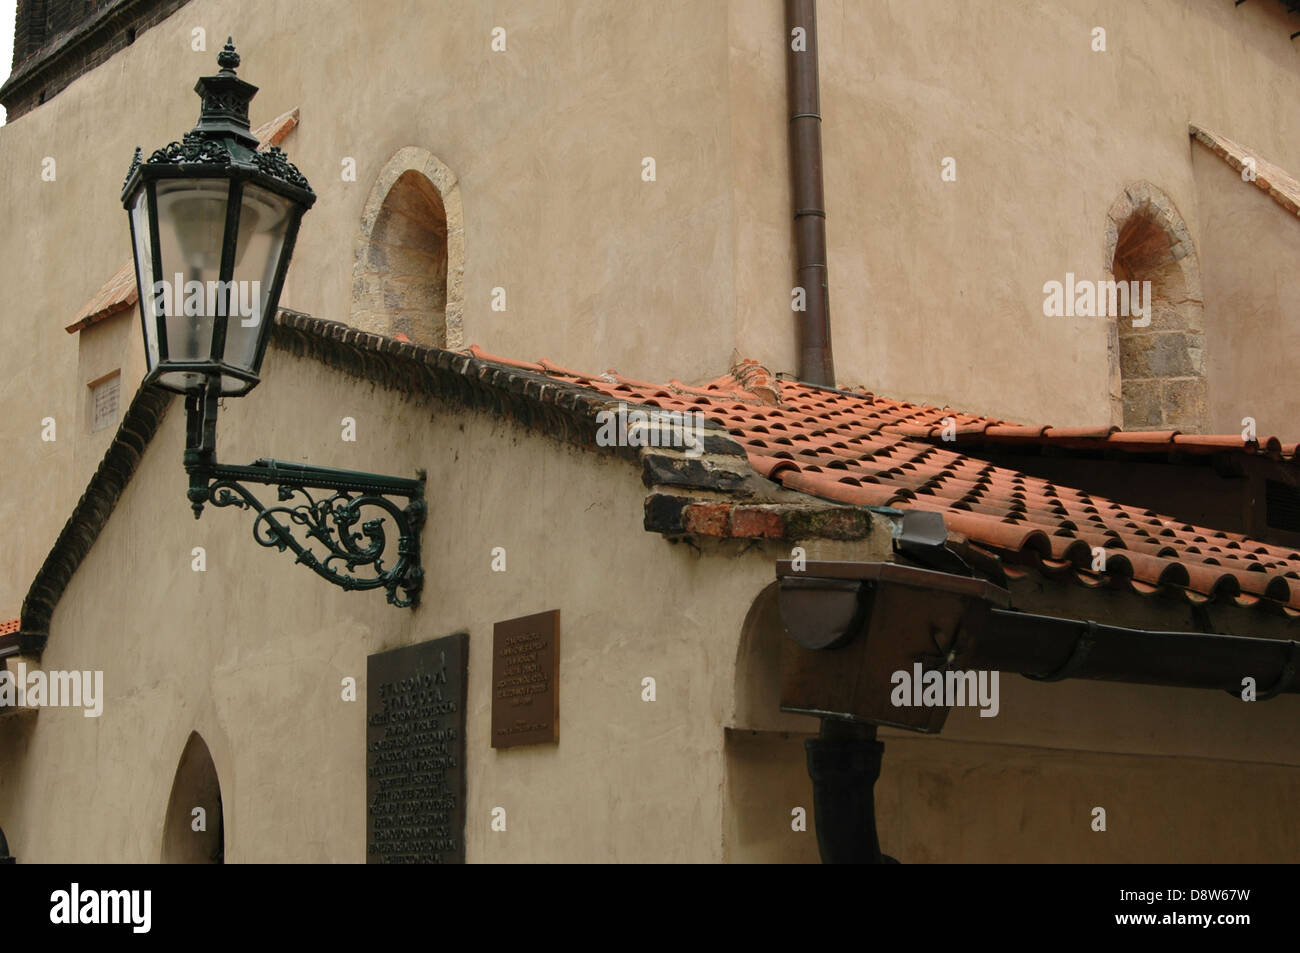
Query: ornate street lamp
{"points": [[213, 225]]}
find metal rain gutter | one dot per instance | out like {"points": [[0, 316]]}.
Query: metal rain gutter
{"points": [[884, 617], [853, 625]]}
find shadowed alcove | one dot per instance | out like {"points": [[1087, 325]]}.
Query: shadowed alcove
{"points": [[195, 787]]}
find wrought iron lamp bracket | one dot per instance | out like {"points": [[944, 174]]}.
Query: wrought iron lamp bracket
{"points": [[357, 551]]}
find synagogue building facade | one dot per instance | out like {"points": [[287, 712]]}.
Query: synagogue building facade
{"points": [[822, 431]]}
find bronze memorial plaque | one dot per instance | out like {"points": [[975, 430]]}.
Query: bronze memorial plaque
{"points": [[415, 753], [526, 680]]}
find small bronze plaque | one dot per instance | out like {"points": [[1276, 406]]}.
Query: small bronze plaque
{"points": [[526, 680], [415, 753]]}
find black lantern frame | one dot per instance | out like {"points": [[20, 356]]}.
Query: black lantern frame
{"points": [[358, 552], [221, 150]]}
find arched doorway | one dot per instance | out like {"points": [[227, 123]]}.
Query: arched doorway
{"points": [[1158, 365], [408, 270], [194, 831], [766, 763]]}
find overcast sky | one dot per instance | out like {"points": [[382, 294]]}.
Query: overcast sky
{"points": [[7, 11]]}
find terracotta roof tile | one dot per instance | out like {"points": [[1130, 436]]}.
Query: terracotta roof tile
{"points": [[274, 131], [860, 448], [117, 294], [1002, 434]]}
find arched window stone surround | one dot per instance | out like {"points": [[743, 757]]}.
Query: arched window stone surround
{"points": [[1157, 372], [195, 785], [408, 272]]}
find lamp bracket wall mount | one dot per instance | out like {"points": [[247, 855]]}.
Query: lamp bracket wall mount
{"points": [[325, 505]]}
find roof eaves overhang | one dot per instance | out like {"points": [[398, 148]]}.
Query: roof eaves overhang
{"points": [[853, 625]]}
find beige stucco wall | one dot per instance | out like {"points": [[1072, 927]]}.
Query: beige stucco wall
{"points": [[547, 139], [945, 801], [935, 295], [1250, 248], [936, 287], [251, 653]]}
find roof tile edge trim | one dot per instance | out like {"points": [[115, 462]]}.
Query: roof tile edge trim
{"points": [[1288, 196], [531, 398]]}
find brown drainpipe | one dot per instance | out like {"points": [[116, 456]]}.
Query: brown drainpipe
{"points": [[816, 365]]}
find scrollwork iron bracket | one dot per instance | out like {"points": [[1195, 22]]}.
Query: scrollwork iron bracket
{"points": [[326, 507]]}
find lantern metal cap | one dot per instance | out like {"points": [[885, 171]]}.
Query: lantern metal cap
{"points": [[222, 138], [225, 98]]}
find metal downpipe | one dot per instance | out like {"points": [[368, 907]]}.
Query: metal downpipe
{"points": [[816, 363]]}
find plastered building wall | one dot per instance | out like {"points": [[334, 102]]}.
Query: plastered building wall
{"points": [[547, 140], [1251, 283], [251, 653], [936, 287], [935, 295], [945, 801]]}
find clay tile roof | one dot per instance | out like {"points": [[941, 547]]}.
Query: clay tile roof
{"points": [[980, 433], [119, 293], [273, 133], [863, 449], [1280, 185]]}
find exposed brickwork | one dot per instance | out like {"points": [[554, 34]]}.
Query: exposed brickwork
{"points": [[757, 521], [675, 516], [55, 41], [707, 519]]}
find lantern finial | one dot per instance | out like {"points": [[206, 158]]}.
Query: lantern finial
{"points": [[228, 59]]}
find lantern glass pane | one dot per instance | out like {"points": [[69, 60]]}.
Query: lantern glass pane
{"points": [[144, 274], [263, 223], [191, 226]]}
